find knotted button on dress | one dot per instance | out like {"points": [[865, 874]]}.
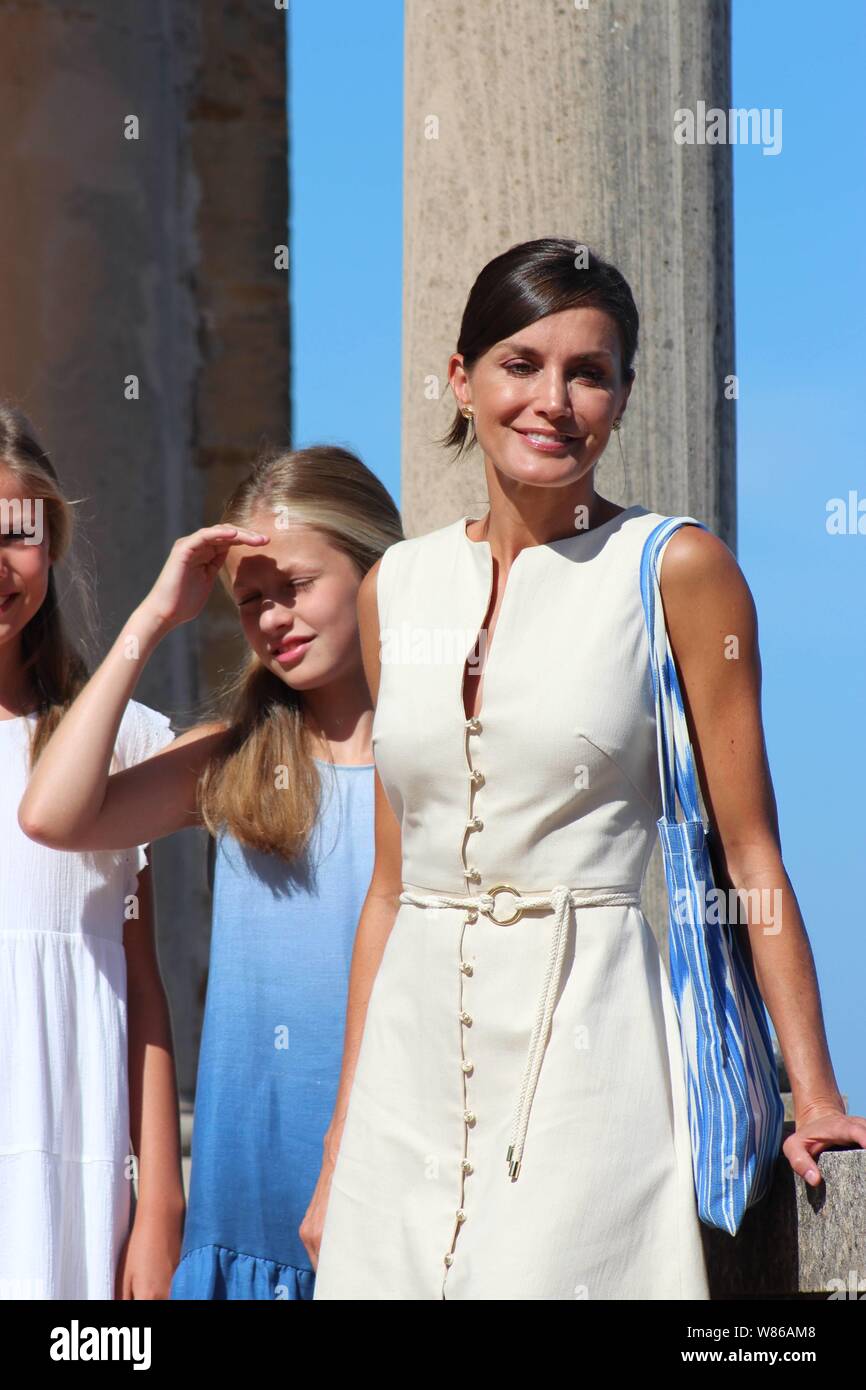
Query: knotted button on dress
{"points": [[517, 1126]]}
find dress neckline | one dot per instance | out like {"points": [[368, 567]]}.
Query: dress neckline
{"points": [[485, 570], [562, 540], [356, 767]]}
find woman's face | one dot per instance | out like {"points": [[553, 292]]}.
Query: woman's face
{"points": [[545, 398], [25, 564], [296, 600]]}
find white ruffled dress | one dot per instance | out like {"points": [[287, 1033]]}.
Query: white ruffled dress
{"points": [[64, 1105]]}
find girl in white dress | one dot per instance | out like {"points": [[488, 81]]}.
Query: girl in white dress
{"points": [[512, 1121], [87, 1072]]}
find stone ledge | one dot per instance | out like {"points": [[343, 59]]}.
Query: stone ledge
{"points": [[798, 1241]]}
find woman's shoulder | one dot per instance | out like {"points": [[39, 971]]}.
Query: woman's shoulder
{"points": [[410, 547], [691, 560], [142, 732], [694, 552], [701, 581], [400, 567]]}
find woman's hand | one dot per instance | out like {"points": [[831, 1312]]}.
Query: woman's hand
{"points": [[150, 1255], [187, 577], [310, 1229], [818, 1130]]}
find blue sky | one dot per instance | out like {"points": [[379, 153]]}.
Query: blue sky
{"points": [[800, 275]]}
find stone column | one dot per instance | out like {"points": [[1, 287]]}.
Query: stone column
{"points": [[143, 189]]}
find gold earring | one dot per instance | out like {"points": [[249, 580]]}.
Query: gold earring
{"points": [[467, 412], [616, 425]]}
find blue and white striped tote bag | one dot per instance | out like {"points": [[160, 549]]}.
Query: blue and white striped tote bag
{"points": [[735, 1107]]}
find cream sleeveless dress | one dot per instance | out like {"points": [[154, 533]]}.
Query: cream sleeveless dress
{"points": [[517, 1126]]}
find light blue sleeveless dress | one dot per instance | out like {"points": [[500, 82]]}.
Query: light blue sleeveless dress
{"points": [[271, 1048]]}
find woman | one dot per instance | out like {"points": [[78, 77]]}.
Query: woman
{"points": [[502, 1132]]}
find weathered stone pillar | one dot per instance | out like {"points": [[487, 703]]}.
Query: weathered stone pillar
{"points": [[143, 190]]}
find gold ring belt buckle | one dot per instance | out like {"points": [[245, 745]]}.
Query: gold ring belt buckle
{"points": [[504, 888]]}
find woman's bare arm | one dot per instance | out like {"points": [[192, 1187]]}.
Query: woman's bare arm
{"points": [[382, 899], [153, 1248], [374, 927], [713, 631], [71, 801]]}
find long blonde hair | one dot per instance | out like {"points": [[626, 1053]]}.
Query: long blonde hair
{"points": [[56, 669], [330, 490]]}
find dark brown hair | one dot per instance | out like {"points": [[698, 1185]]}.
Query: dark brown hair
{"points": [[528, 282]]}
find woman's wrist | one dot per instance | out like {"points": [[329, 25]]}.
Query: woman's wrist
{"points": [[806, 1106], [145, 627], [169, 1208]]}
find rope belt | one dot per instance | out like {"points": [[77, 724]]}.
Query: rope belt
{"points": [[560, 899]]}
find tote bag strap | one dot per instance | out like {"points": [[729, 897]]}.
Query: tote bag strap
{"points": [[676, 763]]}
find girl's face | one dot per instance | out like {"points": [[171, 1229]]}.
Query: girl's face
{"points": [[545, 399], [24, 561], [296, 600]]}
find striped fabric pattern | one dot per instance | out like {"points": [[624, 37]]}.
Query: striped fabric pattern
{"points": [[734, 1104]]}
